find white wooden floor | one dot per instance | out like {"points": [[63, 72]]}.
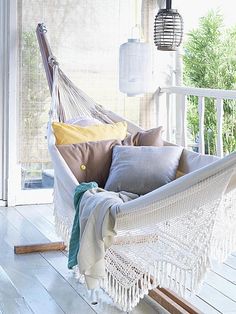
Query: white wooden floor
{"points": [[41, 283]]}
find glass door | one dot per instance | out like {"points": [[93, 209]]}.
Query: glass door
{"points": [[85, 37], [36, 171]]}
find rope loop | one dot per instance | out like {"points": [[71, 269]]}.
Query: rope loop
{"points": [[42, 28], [52, 61]]}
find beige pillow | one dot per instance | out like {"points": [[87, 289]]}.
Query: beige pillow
{"points": [[152, 137], [89, 161]]}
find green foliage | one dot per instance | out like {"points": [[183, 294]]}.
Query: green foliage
{"points": [[210, 62]]}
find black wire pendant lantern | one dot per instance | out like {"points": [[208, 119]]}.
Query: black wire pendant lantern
{"points": [[168, 28]]}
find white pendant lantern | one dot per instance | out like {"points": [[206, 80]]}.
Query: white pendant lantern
{"points": [[135, 68]]}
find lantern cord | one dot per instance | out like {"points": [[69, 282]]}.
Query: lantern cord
{"points": [[136, 29], [168, 4]]}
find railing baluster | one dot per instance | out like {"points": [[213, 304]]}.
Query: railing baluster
{"points": [[184, 120], [178, 119], [201, 111], [157, 106], [181, 93], [219, 111], [168, 115]]}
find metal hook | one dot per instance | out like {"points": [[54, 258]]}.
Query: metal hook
{"points": [[52, 61], [42, 28]]}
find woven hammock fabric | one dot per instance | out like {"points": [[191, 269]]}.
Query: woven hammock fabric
{"points": [[165, 238]]}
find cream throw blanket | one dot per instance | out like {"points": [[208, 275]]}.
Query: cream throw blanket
{"points": [[98, 210]]}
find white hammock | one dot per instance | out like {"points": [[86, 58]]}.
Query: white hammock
{"points": [[164, 238]]}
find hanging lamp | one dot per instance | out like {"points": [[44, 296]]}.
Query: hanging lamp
{"points": [[168, 28], [135, 67]]}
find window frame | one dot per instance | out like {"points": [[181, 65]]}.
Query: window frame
{"points": [[12, 192]]}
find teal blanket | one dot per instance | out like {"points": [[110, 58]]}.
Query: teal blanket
{"points": [[75, 234]]}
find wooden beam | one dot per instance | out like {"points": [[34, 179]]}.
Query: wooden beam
{"points": [[180, 301], [166, 302], [43, 247], [172, 302]]}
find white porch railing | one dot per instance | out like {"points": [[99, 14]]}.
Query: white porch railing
{"points": [[179, 94]]}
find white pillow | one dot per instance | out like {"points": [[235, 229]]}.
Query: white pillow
{"points": [[83, 121]]}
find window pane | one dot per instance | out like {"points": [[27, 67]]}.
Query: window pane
{"points": [[85, 37]]}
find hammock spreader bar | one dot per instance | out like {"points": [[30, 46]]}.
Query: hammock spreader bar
{"points": [[46, 52]]}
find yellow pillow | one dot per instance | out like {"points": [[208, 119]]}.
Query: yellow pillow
{"points": [[74, 134]]}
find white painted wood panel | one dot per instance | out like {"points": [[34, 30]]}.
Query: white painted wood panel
{"points": [[184, 120], [201, 111], [225, 271], [222, 285], [24, 227], [204, 92], [219, 125], [20, 270], [31, 289], [168, 115], [39, 221], [26, 277], [216, 299], [47, 276], [49, 280], [10, 299], [3, 83], [63, 294], [202, 305], [231, 261], [157, 107], [59, 262]]}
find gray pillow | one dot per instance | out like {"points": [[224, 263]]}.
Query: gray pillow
{"points": [[142, 169]]}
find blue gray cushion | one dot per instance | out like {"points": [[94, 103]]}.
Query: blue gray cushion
{"points": [[142, 169]]}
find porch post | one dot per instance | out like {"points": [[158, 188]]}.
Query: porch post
{"points": [[8, 16], [179, 136]]}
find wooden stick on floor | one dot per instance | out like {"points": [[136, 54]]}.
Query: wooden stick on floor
{"points": [[166, 302], [43, 247], [181, 301], [172, 302]]}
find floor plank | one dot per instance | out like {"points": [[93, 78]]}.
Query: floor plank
{"points": [[23, 225], [231, 261], [104, 302], [23, 270], [10, 299], [222, 285], [34, 293], [39, 221], [58, 288], [48, 279], [45, 275], [202, 305], [216, 299], [225, 271]]}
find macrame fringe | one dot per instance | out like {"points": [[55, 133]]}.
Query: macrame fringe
{"points": [[221, 249], [62, 229], [180, 276], [161, 274]]}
